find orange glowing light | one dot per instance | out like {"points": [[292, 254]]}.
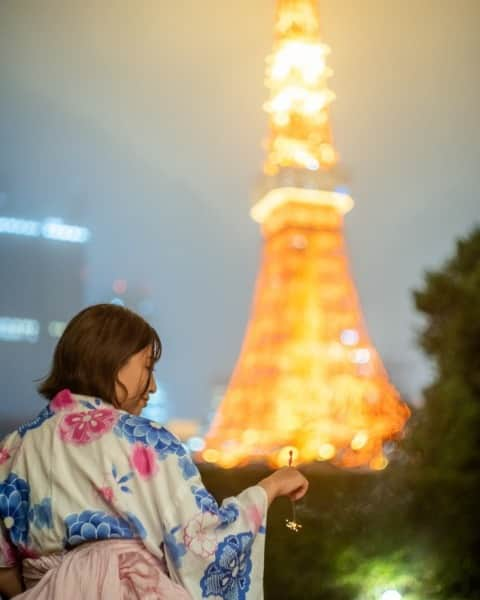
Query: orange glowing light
{"points": [[326, 451], [297, 75], [308, 377], [211, 455], [359, 441], [378, 463]]}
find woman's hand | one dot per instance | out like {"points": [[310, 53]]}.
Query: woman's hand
{"points": [[287, 481]]}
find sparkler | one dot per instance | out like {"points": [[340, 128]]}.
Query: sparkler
{"points": [[292, 523]]}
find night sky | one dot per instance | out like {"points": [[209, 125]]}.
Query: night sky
{"points": [[143, 121]]}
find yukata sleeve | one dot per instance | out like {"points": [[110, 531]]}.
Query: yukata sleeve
{"points": [[212, 550]]}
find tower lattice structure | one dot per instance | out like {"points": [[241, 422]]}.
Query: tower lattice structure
{"points": [[308, 377]]}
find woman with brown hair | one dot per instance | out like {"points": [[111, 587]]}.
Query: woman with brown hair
{"points": [[99, 502]]}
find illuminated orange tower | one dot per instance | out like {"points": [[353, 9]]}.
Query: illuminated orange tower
{"points": [[308, 377]]}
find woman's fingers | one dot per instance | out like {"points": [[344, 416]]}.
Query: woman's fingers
{"points": [[300, 492]]}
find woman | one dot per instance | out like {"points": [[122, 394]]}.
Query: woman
{"points": [[99, 502]]}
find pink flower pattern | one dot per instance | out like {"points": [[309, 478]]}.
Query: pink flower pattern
{"points": [[104, 490], [7, 453], [106, 493], [62, 401], [84, 427], [144, 460], [199, 535], [254, 516], [4, 455]]}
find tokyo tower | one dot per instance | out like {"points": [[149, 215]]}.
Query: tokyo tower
{"points": [[308, 377]]}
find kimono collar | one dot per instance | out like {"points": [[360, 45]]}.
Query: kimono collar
{"points": [[67, 401]]}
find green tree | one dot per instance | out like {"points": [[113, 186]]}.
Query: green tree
{"points": [[449, 424], [446, 432]]}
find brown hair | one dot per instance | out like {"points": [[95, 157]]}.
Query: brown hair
{"points": [[94, 346]]}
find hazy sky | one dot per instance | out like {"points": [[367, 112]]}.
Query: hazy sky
{"points": [[143, 120]]}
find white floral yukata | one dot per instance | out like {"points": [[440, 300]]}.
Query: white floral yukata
{"points": [[84, 471]]}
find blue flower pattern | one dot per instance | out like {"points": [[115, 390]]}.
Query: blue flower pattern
{"points": [[140, 430], [187, 467], [40, 515], [175, 549], [14, 508], [121, 481], [137, 526], [97, 403], [42, 416], [228, 514], [206, 503], [228, 577], [91, 525]]}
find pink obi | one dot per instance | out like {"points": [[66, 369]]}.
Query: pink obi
{"points": [[109, 569]]}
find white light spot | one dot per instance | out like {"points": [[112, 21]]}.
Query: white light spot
{"points": [[361, 356], [391, 595], [52, 229], [117, 302], [349, 337], [55, 229], [56, 328], [196, 444], [13, 329]]}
